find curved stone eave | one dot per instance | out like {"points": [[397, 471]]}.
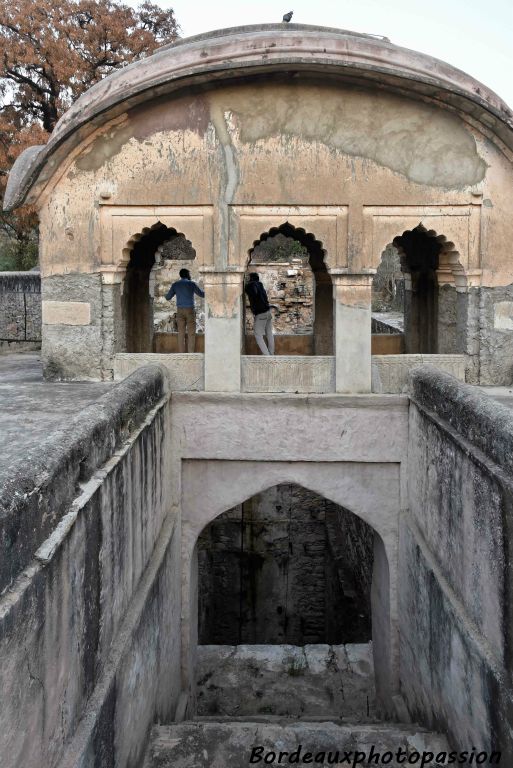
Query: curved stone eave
{"points": [[239, 53]]}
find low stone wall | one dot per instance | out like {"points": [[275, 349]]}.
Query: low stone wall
{"points": [[92, 562], [185, 371], [20, 310], [288, 374], [390, 372], [286, 681], [456, 600]]}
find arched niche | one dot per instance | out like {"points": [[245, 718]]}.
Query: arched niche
{"points": [[314, 254], [420, 276], [141, 256], [361, 492]]}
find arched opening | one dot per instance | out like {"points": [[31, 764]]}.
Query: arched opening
{"points": [[413, 309], [155, 257], [291, 588], [291, 266]]}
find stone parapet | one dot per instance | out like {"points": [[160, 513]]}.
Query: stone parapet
{"points": [[390, 372], [299, 374], [476, 416], [43, 482], [185, 370]]}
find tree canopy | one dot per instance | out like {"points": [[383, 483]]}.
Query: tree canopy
{"points": [[50, 53]]}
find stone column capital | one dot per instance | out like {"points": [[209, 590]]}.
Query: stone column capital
{"points": [[343, 277], [112, 274]]}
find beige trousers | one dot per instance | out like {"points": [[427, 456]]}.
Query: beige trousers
{"points": [[186, 318]]}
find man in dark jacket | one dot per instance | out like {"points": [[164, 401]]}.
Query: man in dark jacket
{"points": [[261, 309], [184, 290]]}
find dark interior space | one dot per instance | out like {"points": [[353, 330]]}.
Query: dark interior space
{"points": [[286, 566]]}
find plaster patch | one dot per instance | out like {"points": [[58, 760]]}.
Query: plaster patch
{"points": [[503, 316], [425, 144], [143, 122], [66, 313]]}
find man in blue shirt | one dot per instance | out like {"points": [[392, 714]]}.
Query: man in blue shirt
{"points": [[184, 290]]}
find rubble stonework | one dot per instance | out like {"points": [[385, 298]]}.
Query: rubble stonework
{"points": [[20, 310]]}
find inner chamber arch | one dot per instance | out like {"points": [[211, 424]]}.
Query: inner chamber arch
{"points": [[381, 600], [421, 277], [140, 258], [321, 337]]}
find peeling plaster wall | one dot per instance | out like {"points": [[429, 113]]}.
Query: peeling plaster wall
{"points": [[456, 606], [89, 655], [280, 144]]}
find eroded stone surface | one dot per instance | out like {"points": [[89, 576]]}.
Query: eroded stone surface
{"points": [[32, 408], [286, 680], [229, 745]]}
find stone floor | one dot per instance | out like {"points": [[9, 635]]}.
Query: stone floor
{"points": [[239, 744], [287, 681], [31, 408]]}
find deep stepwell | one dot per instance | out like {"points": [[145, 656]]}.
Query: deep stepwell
{"points": [[99, 570]]}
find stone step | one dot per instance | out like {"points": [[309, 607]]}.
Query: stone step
{"points": [[281, 719], [234, 744], [286, 680]]}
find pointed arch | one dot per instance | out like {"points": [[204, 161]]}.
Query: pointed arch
{"points": [[356, 492], [322, 314], [433, 276], [140, 256]]}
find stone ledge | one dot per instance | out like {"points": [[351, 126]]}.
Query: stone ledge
{"points": [[44, 481], [294, 373], [390, 372], [484, 422], [185, 370]]}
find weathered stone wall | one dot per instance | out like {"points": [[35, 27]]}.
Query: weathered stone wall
{"points": [[91, 562], [287, 681], [286, 566], [253, 155], [456, 598], [20, 310]]}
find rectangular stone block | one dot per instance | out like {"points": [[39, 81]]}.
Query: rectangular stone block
{"points": [[288, 374], [503, 316], [390, 372], [186, 370], [66, 313]]}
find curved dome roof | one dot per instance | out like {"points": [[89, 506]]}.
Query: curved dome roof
{"points": [[239, 52]]}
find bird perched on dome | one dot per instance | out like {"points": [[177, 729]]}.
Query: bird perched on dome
{"points": [[288, 16]]}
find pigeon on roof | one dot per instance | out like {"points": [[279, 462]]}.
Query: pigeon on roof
{"points": [[288, 16]]}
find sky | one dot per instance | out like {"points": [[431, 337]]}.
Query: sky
{"points": [[473, 35]]}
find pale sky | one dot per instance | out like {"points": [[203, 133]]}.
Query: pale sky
{"points": [[473, 35]]}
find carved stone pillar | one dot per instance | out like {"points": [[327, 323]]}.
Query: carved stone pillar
{"points": [[352, 295], [223, 329]]}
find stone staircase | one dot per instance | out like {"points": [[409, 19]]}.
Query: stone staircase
{"points": [[220, 744], [257, 702]]}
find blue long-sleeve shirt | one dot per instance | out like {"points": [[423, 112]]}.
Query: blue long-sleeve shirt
{"points": [[184, 291]]}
